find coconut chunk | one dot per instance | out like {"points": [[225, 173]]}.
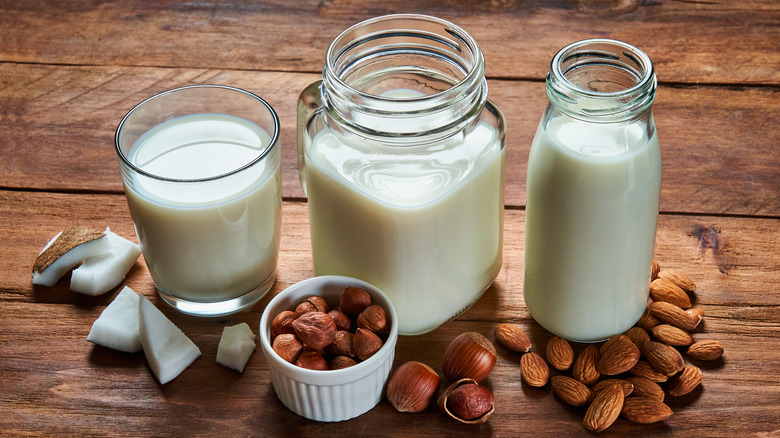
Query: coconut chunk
{"points": [[101, 273], [66, 250], [236, 346], [168, 350], [117, 325]]}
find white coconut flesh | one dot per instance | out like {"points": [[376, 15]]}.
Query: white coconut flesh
{"points": [[168, 350], [236, 346], [117, 325], [66, 250], [101, 273]]}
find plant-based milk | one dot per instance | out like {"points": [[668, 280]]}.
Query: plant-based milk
{"points": [[215, 240], [426, 229], [591, 216]]}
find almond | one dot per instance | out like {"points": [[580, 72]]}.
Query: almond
{"points": [[638, 336], [696, 315], [671, 335], [645, 410], [673, 315], [705, 350], [627, 386], [644, 369], [618, 355], [655, 270], [559, 353], [605, 409], [534, 369], [644, 387], [585, 368], [513, 337], [685, 382], [571, 391], [678, 278], [662, 289], [647, 321], [663, 358]]}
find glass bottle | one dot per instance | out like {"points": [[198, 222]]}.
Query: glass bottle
{"points": [[401, 156], [593, 189]]}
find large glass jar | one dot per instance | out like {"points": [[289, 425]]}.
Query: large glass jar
{"points": [[403, 165], [593, 189]]}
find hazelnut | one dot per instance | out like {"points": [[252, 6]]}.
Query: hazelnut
{"points": [[315, 329], [470, 355], [342, 344], [343, 322], [366, 343], [340, 362], [312, 360], [312, 304], [373, 318], [412, 387], [287, 346], [467, 402], [354, 300], [282, 323]]}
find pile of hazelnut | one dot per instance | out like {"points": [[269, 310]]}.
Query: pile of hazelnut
{"points": [[315, 337]]}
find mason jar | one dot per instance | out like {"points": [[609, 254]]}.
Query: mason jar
{"points": [[401, 156], [593, 189]]}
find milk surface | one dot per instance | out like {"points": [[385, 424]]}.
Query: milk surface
{"points": [[207, 241], [591, 216], [425, 230]]}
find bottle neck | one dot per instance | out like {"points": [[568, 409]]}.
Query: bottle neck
{"points": [[402, 77], [601, 81]]}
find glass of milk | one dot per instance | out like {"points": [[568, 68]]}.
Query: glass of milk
{"points": [[401, 155], [593, 189], [202, 176]]}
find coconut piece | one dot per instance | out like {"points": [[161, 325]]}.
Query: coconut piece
{"points": [[168, 350], [117, 325], [66, 250], [236, 346], [101, 273]]}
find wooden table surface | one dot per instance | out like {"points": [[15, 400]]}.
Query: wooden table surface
{"points": [[69, 71]]}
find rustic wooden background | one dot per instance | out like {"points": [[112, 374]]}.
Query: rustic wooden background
{"points": [[69, 70]]}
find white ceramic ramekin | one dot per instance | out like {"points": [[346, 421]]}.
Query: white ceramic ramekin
{"points": [[334, 395]]}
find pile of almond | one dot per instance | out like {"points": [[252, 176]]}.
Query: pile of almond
{"points": [[626, 375]]}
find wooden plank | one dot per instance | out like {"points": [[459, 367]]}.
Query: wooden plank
{"points": [[57, 126], [695, 42], [57, 383]]}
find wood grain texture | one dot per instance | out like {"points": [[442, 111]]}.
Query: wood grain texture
{"points": [[57, 125], [694, 42], [57, 383]]}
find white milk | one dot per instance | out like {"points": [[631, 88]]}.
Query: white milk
{"points": [[212, 241], [425, 230], [591, 215]]}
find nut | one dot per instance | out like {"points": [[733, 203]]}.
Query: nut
{"points": [[282, 323], [354, 300], [644, 369], [685, 382], [315, 329], [645, 410], [467, 402], [663, 358], [671, 335], [705, 350], [413, 387], [627, 386], [470, 355], [312, 360], [644, 387], [287, 346], [374, 319], [365, 343], [605, 409], [638, 336], [647, 321], [559, 353], [513, 337], [678, 278], [340, 362], [662, 289], [534, 370], [343, 322], [673, 315], [342, 344], [696, 315], [618, 355], [655, 270], [585, 368], [571, 391]]}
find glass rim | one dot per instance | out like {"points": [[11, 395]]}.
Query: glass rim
{"points": [[268, 149]]}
